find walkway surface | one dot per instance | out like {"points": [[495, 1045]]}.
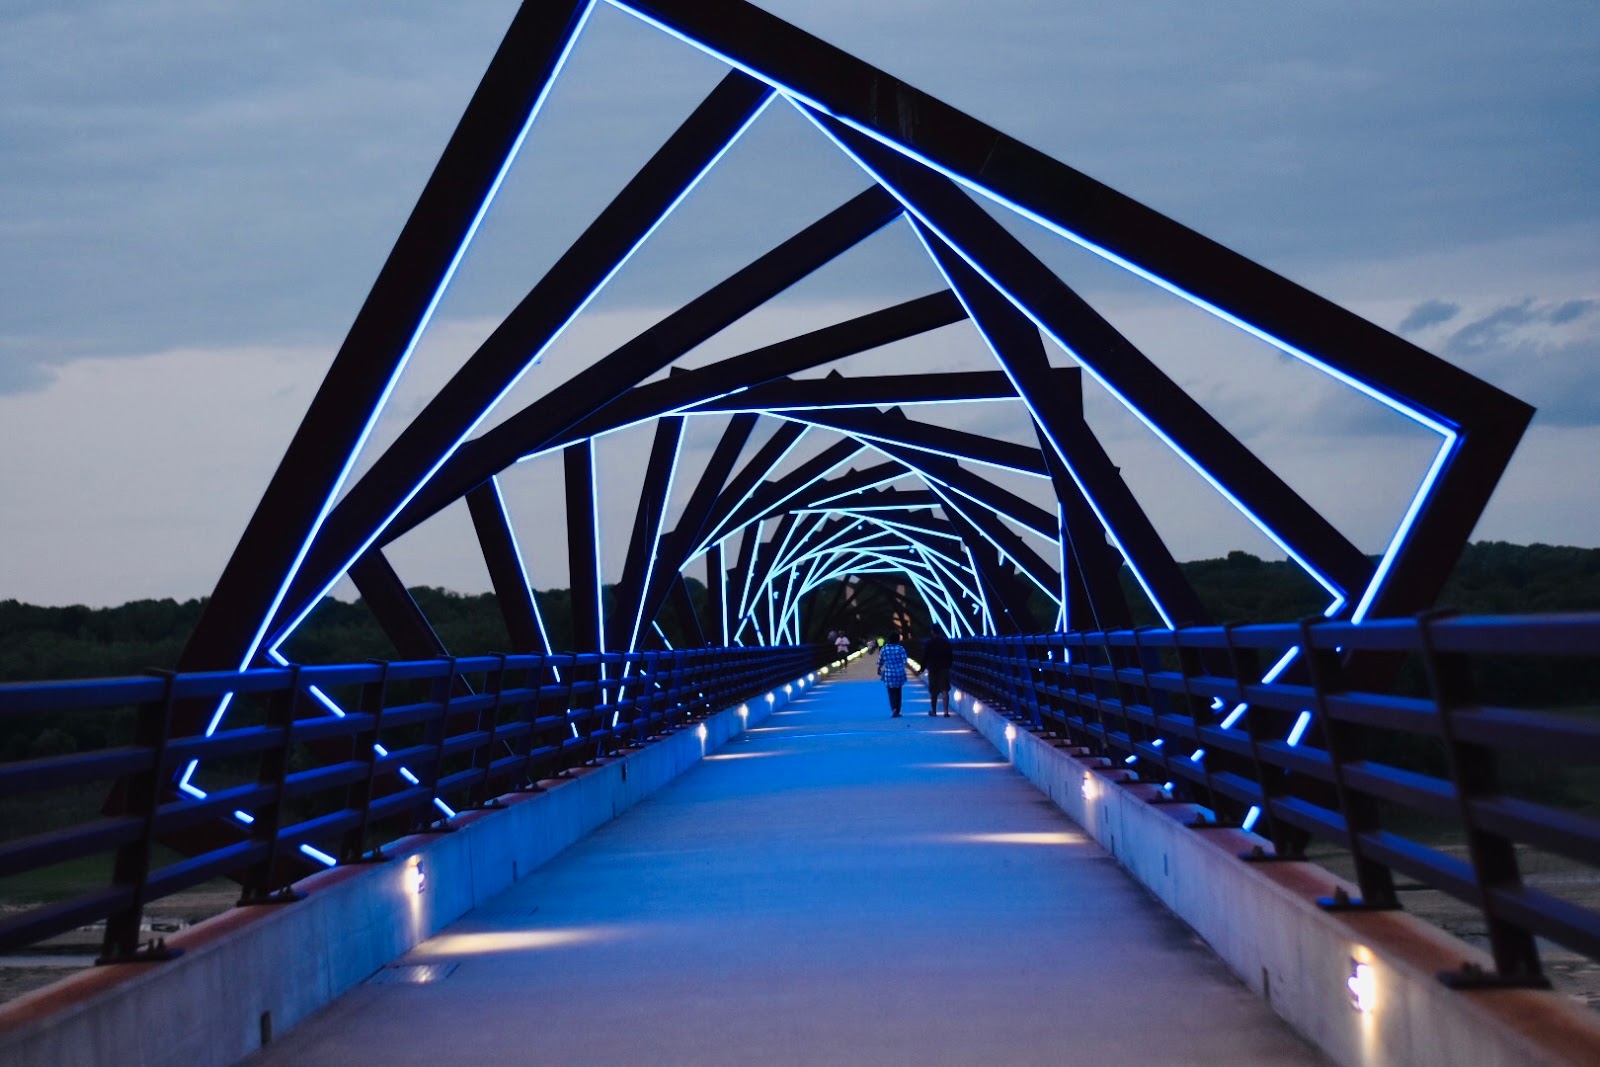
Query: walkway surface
{"points": [[834, 887]]}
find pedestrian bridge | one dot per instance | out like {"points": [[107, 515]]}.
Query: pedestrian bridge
{"points": [[825, 884], [831, 886], [795, 878]]}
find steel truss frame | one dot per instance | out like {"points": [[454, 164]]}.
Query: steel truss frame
{"points": [[915, 495]]}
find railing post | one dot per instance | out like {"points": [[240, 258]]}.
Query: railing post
{"points": [[258, 885], [438, 732], [359, 797], [1474, 773], [1346, 745], [131, 866], [1245, 663], [478, 795]]}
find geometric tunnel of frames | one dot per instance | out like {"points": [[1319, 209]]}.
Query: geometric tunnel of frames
{"points": [[882, 496]]}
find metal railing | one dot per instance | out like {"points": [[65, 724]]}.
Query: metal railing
{"points": [[1324, 743], [312, 765]]}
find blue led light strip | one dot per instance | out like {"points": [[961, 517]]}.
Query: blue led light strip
{"points": [[871, 438], [655, 541], [400, 365], [522, 569], [807, 104], [534, 359]]}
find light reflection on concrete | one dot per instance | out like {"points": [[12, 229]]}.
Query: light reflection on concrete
{"points": [[514, 941], [745, 755], [990, 765], [1055, 837]]}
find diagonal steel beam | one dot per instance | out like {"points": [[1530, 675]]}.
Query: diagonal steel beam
{"points": [[950, 221], [648, 526], [512, 590], [870, 391], [451, 415], [896, 428], [539, 426], [314, 466]]}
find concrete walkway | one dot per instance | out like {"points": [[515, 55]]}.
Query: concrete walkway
{"points": [[836, 887]]}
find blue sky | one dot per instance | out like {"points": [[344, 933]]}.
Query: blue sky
{"points": [[196, 196]]}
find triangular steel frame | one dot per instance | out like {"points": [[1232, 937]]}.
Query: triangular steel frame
{"points": [[930, 164]]}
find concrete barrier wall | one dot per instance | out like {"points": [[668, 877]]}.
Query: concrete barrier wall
{"points": [[254, 972], [1264, 921]]}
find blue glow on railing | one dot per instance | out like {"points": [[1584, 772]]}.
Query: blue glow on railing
{"points": [[1266, 679], [319, 855], [448, 811], [244, 816], [1299, 730], [1250, 818]]}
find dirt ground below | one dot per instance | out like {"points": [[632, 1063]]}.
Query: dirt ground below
{"points": [[54, 959]]}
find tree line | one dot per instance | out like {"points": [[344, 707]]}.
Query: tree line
{"points": [[38, 643]]}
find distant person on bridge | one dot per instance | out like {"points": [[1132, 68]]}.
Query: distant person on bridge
{"points": [[841, 644], [937, 658], [892, 669]]}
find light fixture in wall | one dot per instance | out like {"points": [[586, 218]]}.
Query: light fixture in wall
{"points": [[416, 878], [1363, 986]]}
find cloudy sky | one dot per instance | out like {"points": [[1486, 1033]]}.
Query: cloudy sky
{"points": [[195, 197]]}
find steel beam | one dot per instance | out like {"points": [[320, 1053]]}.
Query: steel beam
{"points": [[450, 416], [314, 466]]}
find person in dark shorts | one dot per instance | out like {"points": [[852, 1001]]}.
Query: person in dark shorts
{"points": [[937, 657]]}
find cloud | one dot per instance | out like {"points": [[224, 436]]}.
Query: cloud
{"points": [[1428, 313], [18, 375], [1544, 352]]}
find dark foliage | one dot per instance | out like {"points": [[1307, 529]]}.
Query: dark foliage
{"points": [[78, 642]]}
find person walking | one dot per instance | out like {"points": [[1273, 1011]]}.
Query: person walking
{"points": [[841, 644], [892, 669], [937, 658]]}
